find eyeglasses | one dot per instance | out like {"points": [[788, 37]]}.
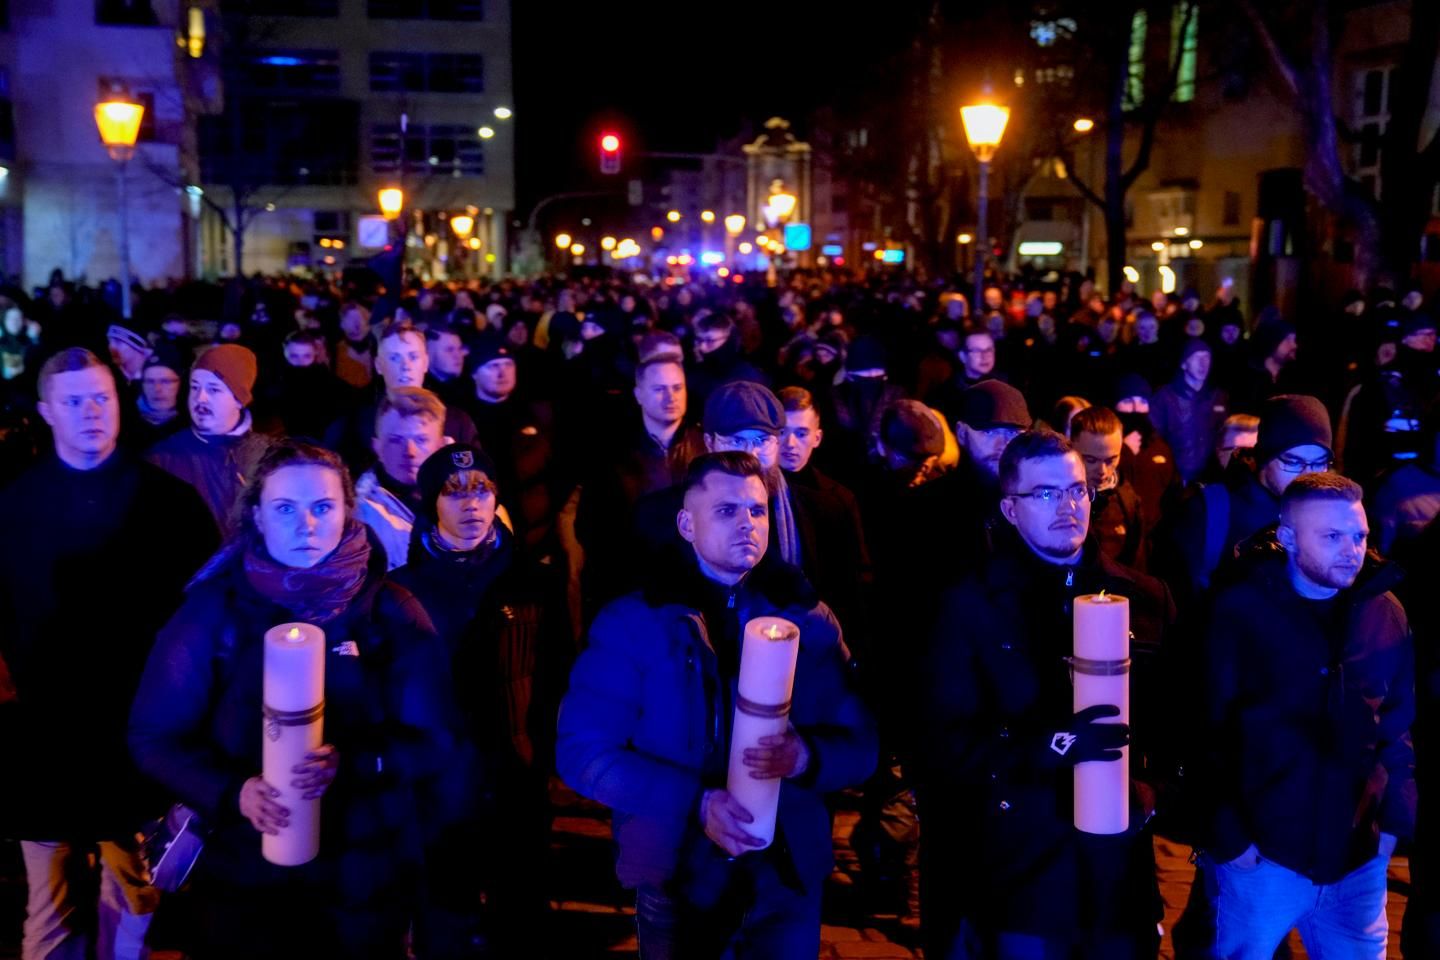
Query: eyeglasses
{"points": [[1048, 495], [1296, 465], [746, 444]]}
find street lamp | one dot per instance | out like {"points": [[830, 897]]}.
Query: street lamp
{"points": [[984, 126], [392, 201], [607, 243], [562, 240], [119, 125], [1084, 125], [735, 224], [462, 225], [578, 249], [485, 133], [503, 113], [707, 216], [673, 216]]}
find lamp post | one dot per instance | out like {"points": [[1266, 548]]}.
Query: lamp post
{"points": [[778, 208], [463, 224], [984, 126], [119, 125]]}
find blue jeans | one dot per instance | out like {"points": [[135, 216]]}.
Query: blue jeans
{"points": [[758, 918], [1257, 907]]}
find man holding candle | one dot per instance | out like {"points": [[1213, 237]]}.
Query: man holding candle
{"points": [[645, 729], [1310, 701], [1001, 859]]}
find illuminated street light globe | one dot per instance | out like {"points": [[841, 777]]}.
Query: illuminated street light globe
{"points": [[578, 249], [708, 216], [563, 240], [486, 132], [503, 113], [673, 216], [1084, 125], [607, 243], [735, 224], [392, 201], [119, 125], [984, 128], [462, 225]]}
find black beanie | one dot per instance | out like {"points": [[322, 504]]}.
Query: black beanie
{"points": [[442, 465], [1292, 420]]}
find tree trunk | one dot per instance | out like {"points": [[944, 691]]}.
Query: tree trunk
{"points": [[237, 236]]}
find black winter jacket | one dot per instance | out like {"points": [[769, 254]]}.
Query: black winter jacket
{"points": [[1309, 712], [995, 687]]}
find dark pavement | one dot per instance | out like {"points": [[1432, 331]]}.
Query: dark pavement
{"points": [[595, 919]]}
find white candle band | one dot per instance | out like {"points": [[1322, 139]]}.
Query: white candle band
{"points": [[1098, 668], [762, 709]]}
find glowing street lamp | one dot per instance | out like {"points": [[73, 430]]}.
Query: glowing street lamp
{"points": [[607, 243], [1084, 125], [707, 216], [578, 249], [673, 216], [735, 224], [503, 113], [392, 201], [563, 240], [119, 125], [780, 204], [964, 239], [984, 127], [486, 133], [462, 225]]}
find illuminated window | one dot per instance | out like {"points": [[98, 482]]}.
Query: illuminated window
{"points": [[1135, 80], [1188, 47]]}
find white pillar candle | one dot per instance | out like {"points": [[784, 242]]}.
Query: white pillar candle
{"points": [[1101, 670], [767, 677], [293, 725]]}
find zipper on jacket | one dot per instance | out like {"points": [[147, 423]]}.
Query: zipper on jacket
{"points": [[1070, 577], [730, 601]]}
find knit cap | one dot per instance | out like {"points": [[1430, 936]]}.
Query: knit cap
{"points": [[443, 464], [235, 366], [1291, 420]]}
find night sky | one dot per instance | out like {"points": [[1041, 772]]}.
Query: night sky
{"points": [[671, 77]]}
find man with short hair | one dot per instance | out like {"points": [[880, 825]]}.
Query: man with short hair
{"points": [[1117, 519], [1240, 431], [446, 378], [355, 353], [651, 456], [1310, 671], [401, 360], [645, 730], [1001, 856], [97, 550], [219, 453], [718, 358], [409, 425]]}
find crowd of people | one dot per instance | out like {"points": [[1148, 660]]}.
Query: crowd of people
{"points": [[533, 518]]}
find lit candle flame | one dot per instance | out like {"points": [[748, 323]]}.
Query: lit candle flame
{"points": [[294, 635], [1102, 597]]}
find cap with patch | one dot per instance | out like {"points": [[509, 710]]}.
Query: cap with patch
{"points": [[485, 350], [443, 464]]}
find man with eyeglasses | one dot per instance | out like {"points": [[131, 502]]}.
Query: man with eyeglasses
{"points": [[1294, 439], [157, 407], [1004, 867]]}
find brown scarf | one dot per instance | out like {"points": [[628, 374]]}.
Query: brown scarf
{"points": [[317, 594]]}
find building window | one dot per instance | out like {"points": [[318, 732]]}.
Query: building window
{"points": [[1135, 78], [420, 73], [281, 8], [1185, 17], [426, 9], [1371, 116], [290, 71], [281, 142], [125, 13], [436, 150], [1231, 212]]}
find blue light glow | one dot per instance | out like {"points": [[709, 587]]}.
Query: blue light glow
{"points": [[279, 61], [711, 257], [797, 236], [833, 250], [892, 256]]}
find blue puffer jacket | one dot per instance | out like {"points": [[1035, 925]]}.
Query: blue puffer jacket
{"points": [[645, 731]]}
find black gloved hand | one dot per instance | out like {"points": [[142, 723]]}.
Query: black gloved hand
{"points": [[1088, 739]]}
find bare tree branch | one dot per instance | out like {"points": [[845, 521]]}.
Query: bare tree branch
{"points": [[1283, 65]]}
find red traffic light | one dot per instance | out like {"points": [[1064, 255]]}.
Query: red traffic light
{"points": [[609, 153]]}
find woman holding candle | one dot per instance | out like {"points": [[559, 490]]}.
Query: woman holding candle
{"points": [[1000, 852], [299, 556]]}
